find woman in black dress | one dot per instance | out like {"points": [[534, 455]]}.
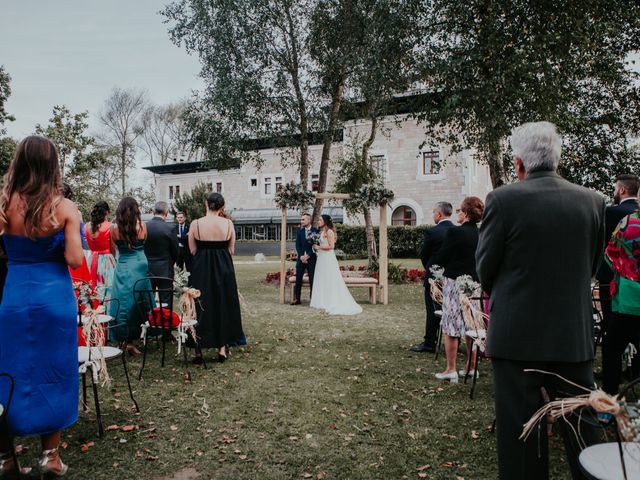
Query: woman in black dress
{"points": [[211, 241]]}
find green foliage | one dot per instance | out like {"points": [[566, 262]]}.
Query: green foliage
{"points": [[68, 132], [5, 92], [192, 203], [493, 65], [404, 242], [294, 195], [7, 150]]}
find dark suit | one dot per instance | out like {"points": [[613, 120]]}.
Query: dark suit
{"points": [[161, 249], [458, 253], [304, 247], [184, 254], [431, 245], [614, 214], [540, 244]]}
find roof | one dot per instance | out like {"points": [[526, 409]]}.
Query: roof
{"points": [[179, 167], [262, 216]]}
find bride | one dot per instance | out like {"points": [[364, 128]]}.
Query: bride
{"points": [[329, 290]]}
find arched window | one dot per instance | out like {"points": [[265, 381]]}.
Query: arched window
{"points": [[403, 215]]}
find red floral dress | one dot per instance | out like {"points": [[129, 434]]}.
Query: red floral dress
{"points": [[623, 254]]}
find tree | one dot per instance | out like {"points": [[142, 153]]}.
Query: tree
{"points": [[7, 149], [67, 131], [192, 203], [164, 132], [5, 92], [491, 65], [122, 122], [259, 82]]}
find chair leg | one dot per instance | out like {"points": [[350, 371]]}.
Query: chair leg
{"points": [[164, 345], [475, 370], [438, 343], [126, 374], [187, 373], [493, 426], [97, 402], [84, 392], [144, 355]]}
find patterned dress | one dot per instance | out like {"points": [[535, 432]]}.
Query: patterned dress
{"points": [[102, 263], [623, 255], [452, 322]]}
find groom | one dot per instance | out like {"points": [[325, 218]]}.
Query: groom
{"points": [[306, 256]]}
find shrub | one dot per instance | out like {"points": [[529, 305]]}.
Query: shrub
{"points": [[404, 242]]}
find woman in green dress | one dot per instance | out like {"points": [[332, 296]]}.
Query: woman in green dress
{"points": [[128, 234]]}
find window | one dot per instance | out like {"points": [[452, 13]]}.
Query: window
{"points": [[177, 190], [278, 183], [218, 187], [379, 163], [403, 216], [315, 182], [170, 192], [209, 187], [253, 184], [431, 162], [267, 186]]}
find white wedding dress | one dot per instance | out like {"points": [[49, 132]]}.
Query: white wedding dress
{"points": [[329, 290]]}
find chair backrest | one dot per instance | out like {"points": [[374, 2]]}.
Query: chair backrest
{"points": [[145, 299]]}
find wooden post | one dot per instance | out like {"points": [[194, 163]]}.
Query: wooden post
{"points": [[383, 261], [283, 254]]}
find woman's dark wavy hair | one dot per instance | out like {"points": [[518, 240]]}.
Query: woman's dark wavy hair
{"points": [[128, 219], [34, 174], [98, 214], [328, 221], [215, 201]]}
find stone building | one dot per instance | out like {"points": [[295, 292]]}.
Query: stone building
{"points": [[419, 175]]}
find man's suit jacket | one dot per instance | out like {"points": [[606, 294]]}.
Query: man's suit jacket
{"points": [[161, 247], [303, 246], [433, 238], [614, 214], [540, 244], [183, 240]]}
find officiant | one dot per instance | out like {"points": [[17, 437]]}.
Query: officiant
{"points": [[306, 256]]}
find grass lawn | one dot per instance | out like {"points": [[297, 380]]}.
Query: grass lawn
{"points": [[310, 396]]}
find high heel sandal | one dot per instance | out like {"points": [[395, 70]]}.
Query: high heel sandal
{"points": [[9, 466], [47, 457], [222, 358]]}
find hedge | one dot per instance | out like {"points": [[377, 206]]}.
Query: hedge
{"points": [[404, 242]]}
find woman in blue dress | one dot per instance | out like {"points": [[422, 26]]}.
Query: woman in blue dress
{"points": [[38, 336], [128, 233]]}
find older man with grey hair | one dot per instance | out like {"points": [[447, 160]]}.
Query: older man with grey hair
{"points": [[161, 248], [540, 244]]}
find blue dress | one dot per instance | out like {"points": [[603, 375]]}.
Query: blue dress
{"points": [[38, 336], [132, 266]]}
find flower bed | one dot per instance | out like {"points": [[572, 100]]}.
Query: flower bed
{"points": [[400, 274]]}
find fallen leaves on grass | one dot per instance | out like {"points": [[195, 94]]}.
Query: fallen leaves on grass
{"points": [[84, 448], [474, 434]]}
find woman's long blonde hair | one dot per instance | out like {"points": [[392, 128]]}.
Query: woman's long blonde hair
{"points": [[34, 175]]}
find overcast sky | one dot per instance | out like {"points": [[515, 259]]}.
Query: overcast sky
{"points": [[73, 52]]}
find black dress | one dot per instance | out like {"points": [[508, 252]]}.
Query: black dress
{"points": [[212, 272]]}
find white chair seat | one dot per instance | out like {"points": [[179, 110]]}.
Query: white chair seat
{"points": [[438, 313], [189, 323], [476, 334], [96, 353], [102, 318], [602, 461]]}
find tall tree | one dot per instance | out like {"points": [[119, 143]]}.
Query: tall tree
{"points": [[5, 92], [7, 149], [67, 131], [165, 133], [490, 65], [257, 72], [121, 119]]}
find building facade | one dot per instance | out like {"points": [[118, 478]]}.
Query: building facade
{"points": [[419, 175]]}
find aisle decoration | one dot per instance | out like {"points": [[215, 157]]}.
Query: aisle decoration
{"points": [[294, 196], [187, 305]]}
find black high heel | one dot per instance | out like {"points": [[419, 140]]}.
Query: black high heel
{"points": [[222, 358]]}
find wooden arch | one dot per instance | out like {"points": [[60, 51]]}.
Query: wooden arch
{"points": [[383, 258]]}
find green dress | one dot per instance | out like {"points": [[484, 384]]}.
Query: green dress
{"points": [[132, 266]]}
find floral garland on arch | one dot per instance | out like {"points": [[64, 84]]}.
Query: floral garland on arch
{"points": [[368, 196], [293, 196]]}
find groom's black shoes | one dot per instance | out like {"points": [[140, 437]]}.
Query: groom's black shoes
{"points": [[423, 347], [295, 302]]}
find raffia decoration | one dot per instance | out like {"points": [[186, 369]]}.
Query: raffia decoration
{"points": [[436, 291], [474, 319], [187, 304], [94, 336]]}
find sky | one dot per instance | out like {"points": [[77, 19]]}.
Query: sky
{"points": [[73, 52]]}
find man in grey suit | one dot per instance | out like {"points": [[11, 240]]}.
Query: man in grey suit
{"points": [[161, 249], [540, 244]]}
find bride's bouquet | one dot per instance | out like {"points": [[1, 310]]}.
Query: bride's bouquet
{"points": [[313, 238]]}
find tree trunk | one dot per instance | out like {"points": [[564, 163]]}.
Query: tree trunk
{"points": [[371, 239], [304, 153], [496, 169], [123, 167], [326, 147]]}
